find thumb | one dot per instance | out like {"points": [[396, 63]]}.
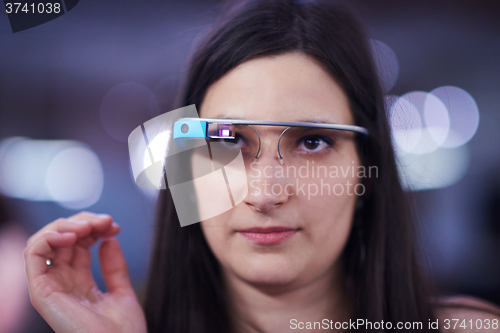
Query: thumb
{"points": [[113, 266]]}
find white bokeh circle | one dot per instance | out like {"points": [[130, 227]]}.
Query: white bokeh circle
{"points": [[463, 114]]}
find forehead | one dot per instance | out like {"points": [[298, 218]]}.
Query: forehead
{"points": [[289, 87]]}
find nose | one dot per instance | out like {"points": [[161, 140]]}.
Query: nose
{"points": [[267, 187]]}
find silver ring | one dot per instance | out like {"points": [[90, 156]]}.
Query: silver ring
{"points": [[48, 262]]}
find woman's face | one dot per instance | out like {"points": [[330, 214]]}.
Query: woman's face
{"points": [[284, 238]]}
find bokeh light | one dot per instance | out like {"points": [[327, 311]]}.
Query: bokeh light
{"points": [[386, 63], [436, 118], [406, 125], [463, 113], [441, 168], [126, 105], [23, 165], [66, 172], [75, 178], [420, 121], [430, 131]]}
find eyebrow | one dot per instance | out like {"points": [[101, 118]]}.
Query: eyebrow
{"points": [[317, 120]]}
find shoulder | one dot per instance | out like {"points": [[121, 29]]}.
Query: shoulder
{"points": [[466, 315]]}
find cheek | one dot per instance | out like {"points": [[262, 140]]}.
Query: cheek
{"points": [[329, 222], [213, 232], [330, 229], [329, 213], [218, 236], [330, 192], [218, 183]]}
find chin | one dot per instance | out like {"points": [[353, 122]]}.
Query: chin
{"points": [[268, 270]]}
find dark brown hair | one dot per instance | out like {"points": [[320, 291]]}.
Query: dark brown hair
{"points": [[185, 289]]}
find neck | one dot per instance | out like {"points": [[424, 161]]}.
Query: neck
{"points": [[257, 308]]}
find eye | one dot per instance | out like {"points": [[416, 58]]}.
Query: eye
{"points": [[314, 143], [237, 142]]}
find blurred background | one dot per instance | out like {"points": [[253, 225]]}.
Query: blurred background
{"points": [[71, 91]]}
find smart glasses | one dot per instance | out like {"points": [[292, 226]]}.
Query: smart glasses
{"points": [[206, 161], [297, 141]]}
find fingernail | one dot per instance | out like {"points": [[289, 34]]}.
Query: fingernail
{"points": [[104, 216]]}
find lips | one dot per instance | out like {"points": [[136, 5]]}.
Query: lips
{"points": [[269, 235]]}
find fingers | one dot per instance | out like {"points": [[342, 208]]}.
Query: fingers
{"points": [[90, 239], [82, 257], [80, 228], [99, 222], [81, 254], [45, 247], [114, 267], [87, 227], [82, 224], [101, 226]]}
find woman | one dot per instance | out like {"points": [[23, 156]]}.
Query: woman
{"points": [[276, 262]]}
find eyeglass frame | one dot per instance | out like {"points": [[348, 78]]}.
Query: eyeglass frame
{"points": [[204, 128]]}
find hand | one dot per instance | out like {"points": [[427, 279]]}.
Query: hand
{"points": [[65, 293]]}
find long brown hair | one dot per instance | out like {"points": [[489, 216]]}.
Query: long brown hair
{"points": [[185, 290]]}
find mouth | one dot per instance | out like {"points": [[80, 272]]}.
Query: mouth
{"points": [[269, 235]]}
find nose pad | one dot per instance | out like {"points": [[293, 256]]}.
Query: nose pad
{"points": [[278, 152], [280, 156], [258, 136]]}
